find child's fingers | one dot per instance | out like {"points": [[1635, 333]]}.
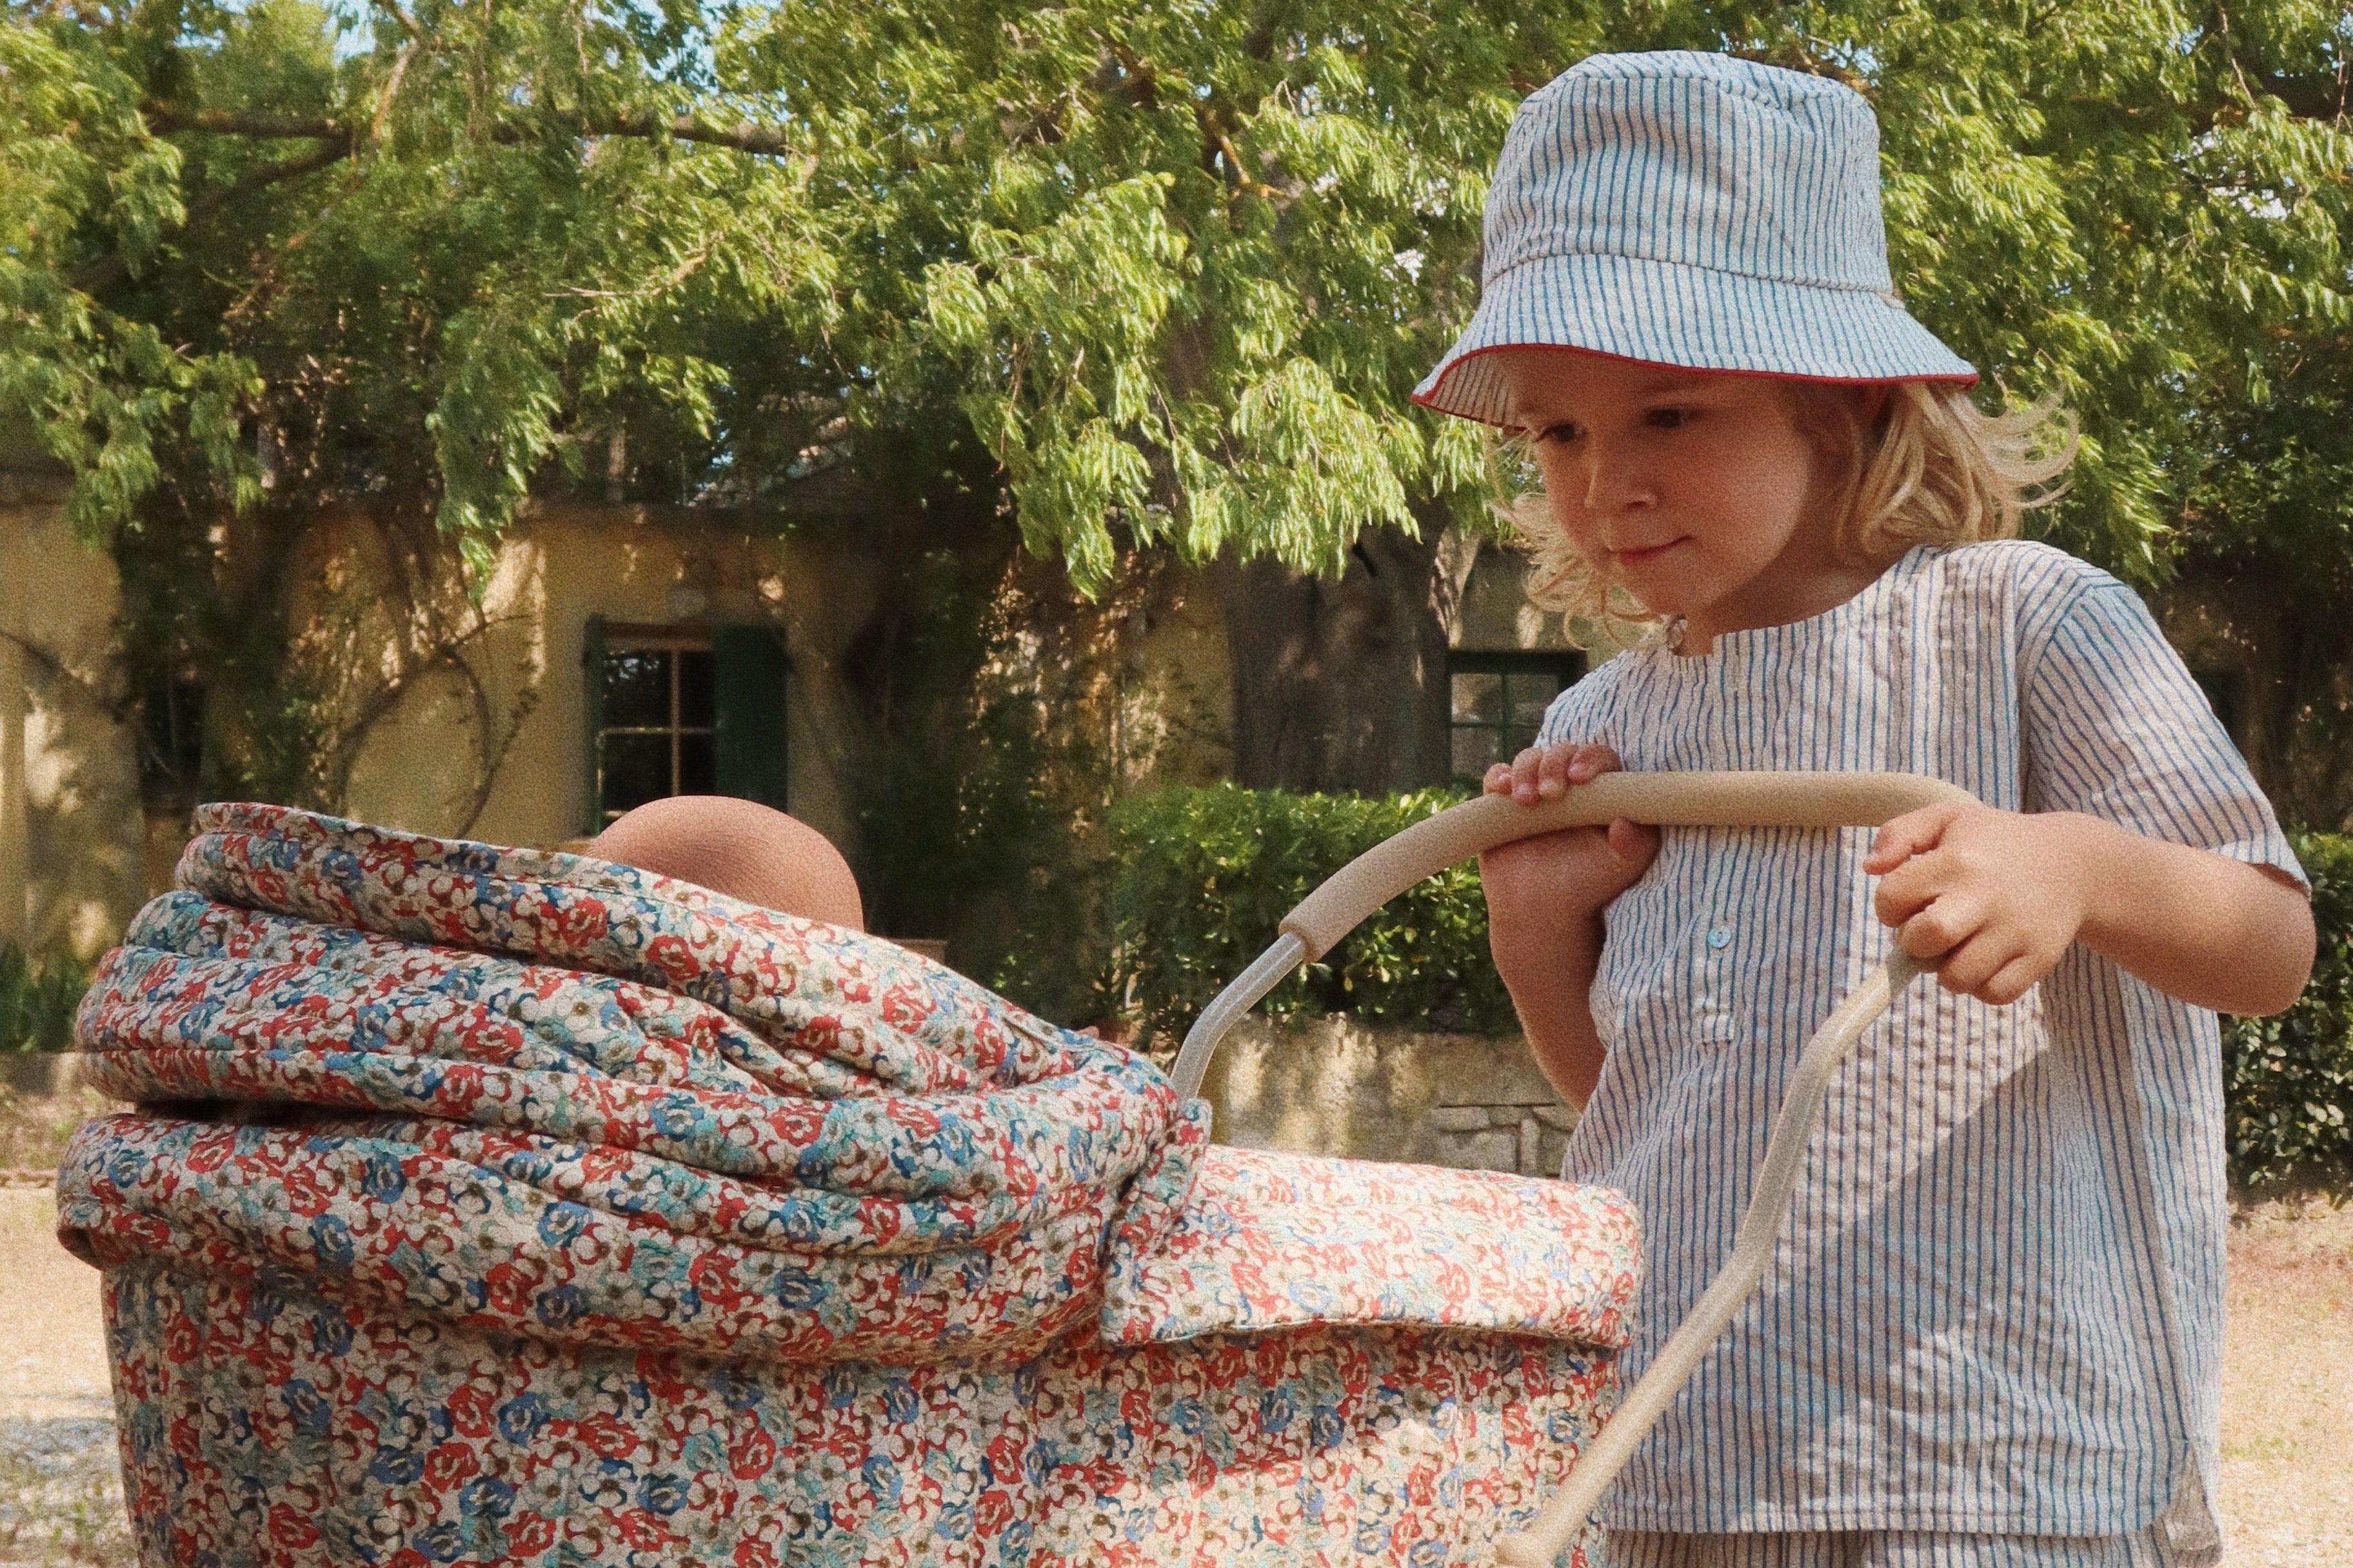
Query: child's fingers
{"points": [[1968, 969], [1912, 886], [1524, 775], [1589, 762], [1546, 773], [1633, 845], [2013, 980], [1950, 919], [1907, 835], [1552, 772]]}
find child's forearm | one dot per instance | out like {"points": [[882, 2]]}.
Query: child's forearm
{"points": [[1551, 984], [2213, 932]]}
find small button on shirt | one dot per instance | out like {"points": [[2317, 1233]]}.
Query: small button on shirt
{"points": [[1997, 1306]]}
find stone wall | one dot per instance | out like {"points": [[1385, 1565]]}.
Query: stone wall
{"points": [[1337, 1087]]}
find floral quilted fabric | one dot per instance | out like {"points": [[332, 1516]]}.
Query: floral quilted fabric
{"points": [[548, 1194], [1270, 1241], [266, 1426], [890, 1160]]}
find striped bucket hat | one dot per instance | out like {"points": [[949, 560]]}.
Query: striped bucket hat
{"points": [[1694, 210]]}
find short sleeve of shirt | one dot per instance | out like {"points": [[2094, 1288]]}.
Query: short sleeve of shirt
{"points": [[2116, 728]]}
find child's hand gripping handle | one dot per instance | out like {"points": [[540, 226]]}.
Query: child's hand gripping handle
{"points": [[1671, 800]]}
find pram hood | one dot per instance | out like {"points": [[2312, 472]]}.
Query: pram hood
{"points": [[544, 1094]]}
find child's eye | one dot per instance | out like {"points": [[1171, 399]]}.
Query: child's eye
{"points": [[1669, 418], [1562, 433]]}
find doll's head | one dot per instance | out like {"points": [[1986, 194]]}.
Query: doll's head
{"points": [[1706, 230], [740, 849]]}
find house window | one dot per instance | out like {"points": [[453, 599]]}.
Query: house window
{"points": [[659, 734], [1499, 702], [683, 710]]}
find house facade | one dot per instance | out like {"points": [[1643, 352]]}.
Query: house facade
{"points": [[615, 654]]}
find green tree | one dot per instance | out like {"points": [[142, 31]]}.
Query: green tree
{"points": [[1152, 275]]}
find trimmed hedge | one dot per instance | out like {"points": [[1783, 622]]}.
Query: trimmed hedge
{"points": [[36, 1006], [1203, 875], [2288, 1079]]}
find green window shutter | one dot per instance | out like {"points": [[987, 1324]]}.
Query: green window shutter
{"points": [[592, 681], [748, 672]]}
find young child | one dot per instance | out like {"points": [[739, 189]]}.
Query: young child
{"points": [[1992, 1334]]}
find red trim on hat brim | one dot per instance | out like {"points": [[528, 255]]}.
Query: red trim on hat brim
{"points": [[1431, 400]]}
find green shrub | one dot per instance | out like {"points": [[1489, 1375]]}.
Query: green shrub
{"points": [[36, 1006], [1202, 875], [2289, 1079]]}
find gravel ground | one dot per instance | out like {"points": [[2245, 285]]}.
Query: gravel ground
{"points": [[60, 1479], [2287, 1386], [34, 1129], [2287, 1410]]}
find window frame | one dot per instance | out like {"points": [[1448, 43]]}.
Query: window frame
{"points": [[606, 638], [1567, 666]]}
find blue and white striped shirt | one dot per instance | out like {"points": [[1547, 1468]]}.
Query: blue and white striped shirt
{"points": [[1998, 1303]]}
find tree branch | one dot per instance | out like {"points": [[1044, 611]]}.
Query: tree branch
{"points": [[163, 119], [1138, 75], [1216, 143], [112, 269], [385, 100], [400, 15], [337, 141], [759, 141]]}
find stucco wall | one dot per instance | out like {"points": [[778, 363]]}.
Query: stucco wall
{"points": [[76, 855], [557, 569], [72, 860], [561, 567], [1336, 1086], [1494, 613]]}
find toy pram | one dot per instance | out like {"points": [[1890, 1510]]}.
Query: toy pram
{"points": [[494, 1206]]}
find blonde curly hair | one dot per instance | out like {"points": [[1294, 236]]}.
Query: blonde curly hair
{"points": [[1930, 470]]}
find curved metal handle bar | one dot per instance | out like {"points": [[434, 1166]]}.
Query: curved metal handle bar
{"points": [[1678, 800], [1732, 800]]}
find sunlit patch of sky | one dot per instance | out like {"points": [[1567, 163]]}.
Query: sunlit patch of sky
{"points": [[355, 31], [694, 64]]}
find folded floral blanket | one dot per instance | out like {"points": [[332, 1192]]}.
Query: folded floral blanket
{"points": [[621, 1108]]}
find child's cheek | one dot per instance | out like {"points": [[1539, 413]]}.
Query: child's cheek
{"points": [[1577, 524]]}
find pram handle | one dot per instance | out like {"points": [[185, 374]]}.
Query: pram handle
{"points": [[1693, 800], [1676, 800], [1673, 800], [1565, 1512]]}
